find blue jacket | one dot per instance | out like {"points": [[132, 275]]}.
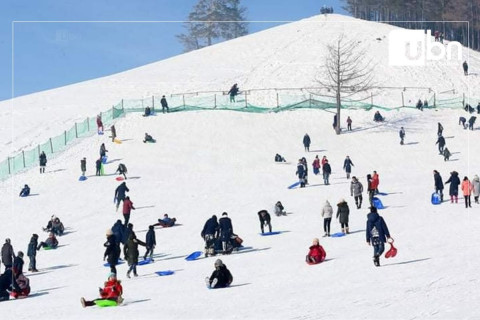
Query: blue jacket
{"points": [[32, 247], [301, 170], [118, 230], [150, 240], [374, 220], [347, 165], [210, 227]]}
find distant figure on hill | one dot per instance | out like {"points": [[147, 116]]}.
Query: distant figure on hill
{"points": [[83, 166], [462, 121], [446, 154], [469, 108], [43, 161], [25, 191], [301, 172], [478, 107], [233, 92], [103, 150], [148, 138], [120, 193], [377, 234], [465, 68], [326, 170], [356, 190], [347, 166], [349, 124], [147, 112], [150, 242], [114, 132], [438, 183], [377, 117], [279, 158], [425, 103], [98, 167], [401, 133], [441, 144], [8, 254], [99, 123], [476, 187], [306, 142], [471, 122], [440, 129], [334, 121], [164, 104], [32, 253], [50, 242], [419, 105], [454, 181], [265, 219], [316, 253]]}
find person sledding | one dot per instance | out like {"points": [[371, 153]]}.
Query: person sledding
{"points": [[23, 290], [221, 276], [148, 138], [8, 284], [279, 158], [122, 169], [316, 253], [148, 112], [51, 242], [55, 226], [166, 221], [377, 117], [25, 191], [112, 291]]}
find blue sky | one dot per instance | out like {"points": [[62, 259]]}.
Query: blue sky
{"points": [[52, 54]]}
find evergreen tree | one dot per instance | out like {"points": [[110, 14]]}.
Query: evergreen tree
{"points": [[205, 24]]}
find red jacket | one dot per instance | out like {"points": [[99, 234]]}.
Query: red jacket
{"points": [[127, 206], [99, 122], [112, 290], [375, 181], [316, 163], [317, 252]]}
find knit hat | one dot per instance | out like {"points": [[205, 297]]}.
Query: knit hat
{"points": [[109, 232], [224, 214], [315, 240], [218, 263]]}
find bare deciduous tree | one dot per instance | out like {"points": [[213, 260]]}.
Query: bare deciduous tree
{"points": [[346, 71]]}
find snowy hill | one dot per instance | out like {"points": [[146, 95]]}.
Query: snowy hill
{"points": [[205, 163]]}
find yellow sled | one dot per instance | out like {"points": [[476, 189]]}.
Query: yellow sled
{"points": [[117, 141]]}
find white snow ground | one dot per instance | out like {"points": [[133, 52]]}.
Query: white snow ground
{"points": [[205, 163]]}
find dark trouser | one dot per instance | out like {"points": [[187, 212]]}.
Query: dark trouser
{"points": [[468, 201], [349, 127], [325, 178], [440, 149], [358, 201], [97, 173], [42, 169], [149, 251], [126, 216], [4, 295], [269, 226], [378, 248], [164, 108], [476, 199], [370, 196], [326, 225], [440, 192], [118, 201], [132, 267], [113, 268], [33, 263], [344, 225]]}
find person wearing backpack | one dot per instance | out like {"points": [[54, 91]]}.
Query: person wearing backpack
{"points": [[376, 234]]}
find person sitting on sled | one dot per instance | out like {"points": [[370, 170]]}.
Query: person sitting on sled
{"points": [[51, 242], [316, 254], [148, 138], [25, 191], [221, 276], [166, 221], [112, 291]]}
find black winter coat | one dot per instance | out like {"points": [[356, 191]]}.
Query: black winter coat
{"points": [[225, 228], [374, 220], [18, 265], [120, 191], [150, 239], [112, 251], [264, 218], [441, 141], [118, 230], [326, 168], [7, 254], [343, 212], [210, 227], [32, 247], [301, 172], [7, 281], [454, 183], [223, 275], [347, 165], [43, 159], [83, 165], [438, 181], [306, 140]]}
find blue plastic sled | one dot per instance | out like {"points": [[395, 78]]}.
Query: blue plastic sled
{"points": [[82, 178], [108, 264], [100, 133], [104, 159], [194, 256], [382, 194], [337, 235], [377, 203], [165, 273], [143, 262], [436, 198], [270, 233], [294, 185]]}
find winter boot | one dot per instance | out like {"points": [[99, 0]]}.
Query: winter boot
{"points": [[376, 261], [325, 234], [128, 274], [343, 230], [82, 301], [346, 229], [214, 283]]}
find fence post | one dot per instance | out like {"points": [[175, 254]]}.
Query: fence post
{"points": [[246, 99], [51, 145], [123, 109], [23, 156], [9, 172], [403, 100], [463, 101], [371, 99], [278, 103], [435, 99], [76, 131], [214, 101], [153, 104], [310, 100], [183, 97], [65, 136], [88, 124]]}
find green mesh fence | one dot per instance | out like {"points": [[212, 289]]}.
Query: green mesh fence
{"points": [[250, 101]]}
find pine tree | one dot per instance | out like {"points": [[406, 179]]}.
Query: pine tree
{"points": [[205, 24]]}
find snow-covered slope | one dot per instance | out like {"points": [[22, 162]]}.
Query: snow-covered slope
{"points": [[287, 56]]}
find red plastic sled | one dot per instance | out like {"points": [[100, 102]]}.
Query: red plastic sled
{"points": [[392, 252], [119, 178]]}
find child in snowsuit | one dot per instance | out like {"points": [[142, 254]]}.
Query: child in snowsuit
{"points": [[112, 290], [446, 154], [316, 165], [221, 276], [264, 217], [279, 209], [51, 242], [316, 253]]}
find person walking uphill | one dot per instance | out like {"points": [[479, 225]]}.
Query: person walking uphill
{"points": [[43, 161], [150, 242], [401, 133], [316, 165], [327, 170], [467, 188], [438, 183], [225, 230], [265, 219], [306, 142], [356, 190], [127, 209], [164, 104], [347, 166], [342, 215], [301, 172], [327, 213], [83, 166], [233, 92], [454, 181], [441, 144], [120, 193], [377, 234], [112, 251]]}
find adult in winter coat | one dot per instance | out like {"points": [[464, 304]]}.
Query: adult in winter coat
{"points": [[99, 123], [471, 122], [454, 181], [225, 230], [376, 234], [370, 189], [301, 172], [467, 188], [18, 263], [114, 132], [233, 92], [316, 253], [118, 230], [316, 165], [98, 167], [120, 193], [164, 104], [327, 213], [306, 142], [112, 290], [112, 251], [441, 144], [349, 124], [8, 280], [7, 254], [150, 242], [25, 191], [347, 166], [43, 161], [375, 181], [356, 190], [462, 121], [476, 188], [438, 183], [279, 209], [465, 68], [122, 169], [221, 276], [440, 129], [127, 208], [209, 234], [324, 159], [401, 133], [32, 253], [342, 215], [326, 170], [131, 253], [305, 167], [83, 166], [103, 150], [265, 219]]}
